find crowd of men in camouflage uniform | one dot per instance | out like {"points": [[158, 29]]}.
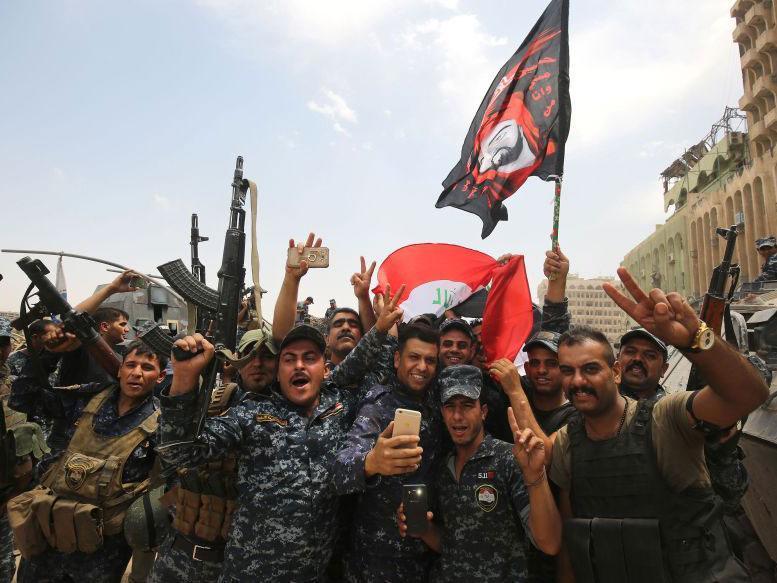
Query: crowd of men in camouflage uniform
{"points": [[583, 469]]}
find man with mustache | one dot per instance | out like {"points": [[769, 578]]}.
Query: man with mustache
{"points": [[375, 464], [643, 360], [288, 516], [635, 489], [205, 495], [285, 523]]}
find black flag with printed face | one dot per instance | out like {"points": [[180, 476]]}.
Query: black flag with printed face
{"points": [[521, 126]]}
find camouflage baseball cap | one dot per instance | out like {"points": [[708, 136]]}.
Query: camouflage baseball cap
{"points": [[255, 339], [304, 332], [544, 338], [5, 328], [460, 379], [769, 241], [457, 324], [642, 333]]}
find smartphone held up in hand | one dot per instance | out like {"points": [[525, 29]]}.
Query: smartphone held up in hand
{"points": [[407, 422], [415, 506], [316, 257]]}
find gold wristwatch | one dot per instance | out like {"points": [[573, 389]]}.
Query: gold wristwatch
{"points": [[704, 339]]}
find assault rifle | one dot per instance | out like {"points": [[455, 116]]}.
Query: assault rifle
{"points": [[222, 305], [7, 454], [715, 309], [198, 269], [51, 302]]}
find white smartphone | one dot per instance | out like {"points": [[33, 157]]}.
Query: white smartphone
{"points": [[407, 422]]}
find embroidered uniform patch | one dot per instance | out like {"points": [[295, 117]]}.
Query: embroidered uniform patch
{"points": [[267, 418], [487, 496], [77, 468]]}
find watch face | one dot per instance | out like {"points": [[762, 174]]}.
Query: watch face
{"points": [[706, 340]]}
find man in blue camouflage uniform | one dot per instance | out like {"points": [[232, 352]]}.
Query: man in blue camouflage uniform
{"points": [[187, 557], [491, 498], [123, 410], [375, 464], [285, 525], [767, 249]]}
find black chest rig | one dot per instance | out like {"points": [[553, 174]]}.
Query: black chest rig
{"points": [[629, 526]]}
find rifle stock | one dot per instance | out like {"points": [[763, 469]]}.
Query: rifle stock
{"points": [[79, 323]]}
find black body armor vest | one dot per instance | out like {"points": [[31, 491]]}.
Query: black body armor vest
{"points": [[629, 526]]}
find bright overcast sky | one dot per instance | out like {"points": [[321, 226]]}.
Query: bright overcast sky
{"points": [[120, 119]]}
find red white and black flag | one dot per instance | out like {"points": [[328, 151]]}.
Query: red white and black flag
{"points": [[521, 125]]}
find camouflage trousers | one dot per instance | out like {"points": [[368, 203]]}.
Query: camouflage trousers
{"points": [[7, 560], [106, 565], [176, 566], [369, 568]]}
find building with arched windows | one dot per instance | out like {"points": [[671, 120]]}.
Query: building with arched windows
{"points": [[590, 306], [728, 178]]}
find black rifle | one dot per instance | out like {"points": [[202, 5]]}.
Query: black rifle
{"points": [[198, 269], [51, 302], [223, 305], [715, 309], [7, 454]]}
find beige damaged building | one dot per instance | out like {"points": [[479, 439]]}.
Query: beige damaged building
{"points": [[729, 177], [589, 305]]}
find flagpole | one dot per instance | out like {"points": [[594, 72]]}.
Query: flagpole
{"points": [[556, 213]]}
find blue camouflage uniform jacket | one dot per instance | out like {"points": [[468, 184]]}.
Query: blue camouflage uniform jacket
{"points": [[768, 270], [484, 517], [374, 528], [369, 363], [286, 522]]}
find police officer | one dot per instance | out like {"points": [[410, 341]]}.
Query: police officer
{"points": [[205, 496], [376, 465], [111, 433], [285, 524], [767, 249], [641, 464], [489, 494]]}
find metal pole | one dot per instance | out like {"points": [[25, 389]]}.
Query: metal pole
{"points": [[556, 213], [96, 260]]}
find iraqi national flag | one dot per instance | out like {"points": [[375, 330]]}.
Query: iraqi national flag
{"points": [[439, 276], [521, 126]]}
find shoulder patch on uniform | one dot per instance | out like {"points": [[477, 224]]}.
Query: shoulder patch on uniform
{"points": [[335, 409], [269, 418], [487, 497]]}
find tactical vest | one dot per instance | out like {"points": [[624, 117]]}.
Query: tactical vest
{"points": [[629, 526], [81, 497], [91, 468], [206, 496]]}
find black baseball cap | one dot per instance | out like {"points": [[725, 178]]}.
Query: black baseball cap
{"points": [[544, 338], [304, 332], [642, 333], [457, 324]]}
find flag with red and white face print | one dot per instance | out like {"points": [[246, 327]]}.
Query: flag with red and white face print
{"points": [[521, 126], [439, 276]]}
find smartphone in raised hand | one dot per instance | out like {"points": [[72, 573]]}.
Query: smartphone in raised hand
{"points": [[316, 257], [407, 422]]}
